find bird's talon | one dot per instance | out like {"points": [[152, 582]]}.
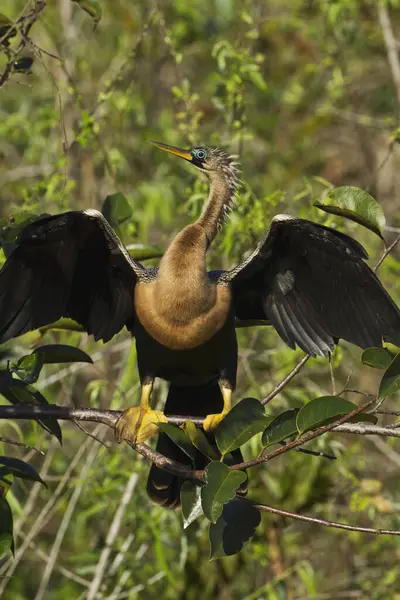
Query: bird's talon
{"points": [[136, 425], [212, 421]]}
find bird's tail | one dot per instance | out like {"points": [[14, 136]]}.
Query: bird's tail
{"points": [[163, 487]]}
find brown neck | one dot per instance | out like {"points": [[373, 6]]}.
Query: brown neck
{"points": [[218, 204], [182, 284]]}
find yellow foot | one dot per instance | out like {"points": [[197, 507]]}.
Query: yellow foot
{"points": [[212, 421], [136, 425]]}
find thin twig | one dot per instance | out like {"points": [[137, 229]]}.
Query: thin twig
{"points": [[324, 522], [386, 252], [14, 443], [332, 374], [286, 380], [391, 46]]}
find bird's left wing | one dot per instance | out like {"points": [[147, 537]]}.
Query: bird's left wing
{"points": [[313, 285], [68, 265]]}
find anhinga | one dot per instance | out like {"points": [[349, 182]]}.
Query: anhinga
{"points": [[309, 281]]}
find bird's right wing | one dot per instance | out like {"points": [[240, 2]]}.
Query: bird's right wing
{"points": [[68, 265]]}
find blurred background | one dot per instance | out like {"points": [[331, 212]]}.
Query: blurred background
{"points": [[303, 92]]}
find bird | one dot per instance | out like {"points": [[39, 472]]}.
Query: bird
{"points": [[310, 282]]}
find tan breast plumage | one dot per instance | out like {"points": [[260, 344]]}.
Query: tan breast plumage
{"points": [[165, 324]]}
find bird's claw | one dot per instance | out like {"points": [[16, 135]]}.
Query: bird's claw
{"points": [[212, 421], [136, 425]]}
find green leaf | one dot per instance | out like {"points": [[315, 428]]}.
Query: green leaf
{"points": [[257, 78], [221, 487], [21, 469], [5, 379], [199, 440], [92, 7], [63, 324], [379, 358], [191, 502], [144, 251], [61, 353], [179, 437], [355, 204], [23, 393], [246, 419], [324, 410], [6, 528], [390, 382], [116, 210], [28, 367], [234, 528], [283, 426]]}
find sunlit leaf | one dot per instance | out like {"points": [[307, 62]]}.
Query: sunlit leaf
{"points": [[21, 469], [199, 440], [324, 410], [6, 528], [221, 486], [28, 367], [144, 251], [390, 382], [191, 502], [61, 353], [246, 419], [92, 7], [63, 324], [234, 528], [179, 437], [283, 426], [379, 358], [355, 204]]}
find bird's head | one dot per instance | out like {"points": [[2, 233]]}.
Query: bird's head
{"points": [[211, 161]]}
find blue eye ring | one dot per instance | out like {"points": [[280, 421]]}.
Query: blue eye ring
{"points": [[200, 154]]}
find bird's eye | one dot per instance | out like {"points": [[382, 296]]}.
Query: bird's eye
{"points": [[200, 154]]}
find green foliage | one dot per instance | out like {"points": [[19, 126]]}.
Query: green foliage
{"points": [[220, 487], [303, 93], [357, 205], [246, 419]]}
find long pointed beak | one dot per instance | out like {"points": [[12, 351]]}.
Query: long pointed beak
{"points": [[174, 150]]}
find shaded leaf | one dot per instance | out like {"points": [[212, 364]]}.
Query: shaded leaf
{"points": [[390, 382], [28, 367], [5, 379], [251, 323], [144, 251], [199, 440], [283, 426], [246, 419], [61, 353], [324, 410], [116, 210], [6, 479], [234, 528], [179, 437], [191, 502], [221, 485], [24, 64], [6, 527], [23, 393], [355, 204], [379, 358], [21, 469]]}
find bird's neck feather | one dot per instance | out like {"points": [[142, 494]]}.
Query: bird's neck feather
{"points": [[218, 204]]}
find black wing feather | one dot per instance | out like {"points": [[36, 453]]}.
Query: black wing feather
{"points": [[68, 265], [313, 284]]}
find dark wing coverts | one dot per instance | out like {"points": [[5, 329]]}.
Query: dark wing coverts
{"points": [[313, 285], [68, 265]]}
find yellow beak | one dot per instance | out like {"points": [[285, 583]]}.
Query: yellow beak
{"points": [[174, 150]]}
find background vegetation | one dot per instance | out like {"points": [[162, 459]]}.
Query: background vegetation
{"points": [[307, 92]]}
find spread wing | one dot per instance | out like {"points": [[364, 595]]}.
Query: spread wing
{"points": [[313, 285], [68, 265]]}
